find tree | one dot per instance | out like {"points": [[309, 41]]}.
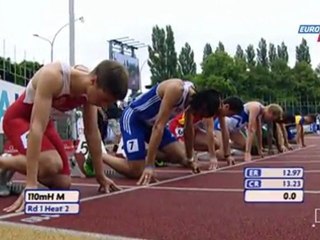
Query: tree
{"points": [[171, 56], [307, 84], [206, 51], [157, 55], [317, 70], [283, 52], [186, 66], [262, 53], [302, 52], [219, 71], [272, 53], [18, 73], [250, 54], [216, 82], [162, 55], [240, 53], [282, 76], [220, 47]]}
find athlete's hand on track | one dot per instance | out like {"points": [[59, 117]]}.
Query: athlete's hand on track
{"points": [[284, 149], [230, 160], [147, 176], [261, 153], [247, 157], [193, 163], [18, 205], [106, 184], [213, 163]]}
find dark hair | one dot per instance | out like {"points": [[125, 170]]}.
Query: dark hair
{"points": [[235, 104], [206, 101], [287, 118], [112, 77], [312, 117]]}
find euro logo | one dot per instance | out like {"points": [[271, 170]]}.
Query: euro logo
{"points": [[310, 29]]}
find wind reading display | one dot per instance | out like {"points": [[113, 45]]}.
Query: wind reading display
{"points": [[273, 185], [52, 202]]}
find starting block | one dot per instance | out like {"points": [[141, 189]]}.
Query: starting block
{"points": [[70, 148]]}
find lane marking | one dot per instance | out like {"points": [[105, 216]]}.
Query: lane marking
{"points": [[241, 171], [82, 184], [289, 161], [188, 189]]}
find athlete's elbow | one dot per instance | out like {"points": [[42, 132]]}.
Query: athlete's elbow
{"points": [[251, 129], [37, 129], [91, 135], [158, 127]]}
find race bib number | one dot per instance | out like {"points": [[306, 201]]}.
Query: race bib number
{"points": [[179, 132], [24, 139], [132, 145], [83, 147]]}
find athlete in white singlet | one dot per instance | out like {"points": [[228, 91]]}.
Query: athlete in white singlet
{"points": [[251, 120]]}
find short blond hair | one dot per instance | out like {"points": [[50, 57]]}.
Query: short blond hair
{"points": [[276, 111]]}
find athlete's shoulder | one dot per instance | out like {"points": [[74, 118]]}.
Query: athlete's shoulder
{"points": [[81, 67], [49, 77], [173, 87], [253, 105], [171, 83]]}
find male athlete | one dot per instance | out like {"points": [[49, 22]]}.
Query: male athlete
{"points": [[290, 123], [204, 130], [250, 118], [28, 126], [145, 121]]}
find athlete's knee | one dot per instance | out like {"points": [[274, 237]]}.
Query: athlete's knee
{"points": [[178, 157], [51, 164], [136, 169], [65, 182], [57, 181]]}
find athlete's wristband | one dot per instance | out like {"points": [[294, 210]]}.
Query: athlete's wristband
{"points": [[149, 167], [190, 159]]}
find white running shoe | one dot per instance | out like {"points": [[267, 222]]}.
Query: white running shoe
{"points": [[5, 177]]}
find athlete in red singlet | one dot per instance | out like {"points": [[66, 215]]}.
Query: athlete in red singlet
{"points": [[27, 122], [176, 125]]}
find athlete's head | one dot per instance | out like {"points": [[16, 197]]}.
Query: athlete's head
{"points": [[287, 118], [310, 118], [206, 103], [273, 112], [231, 106], [109, 83]]}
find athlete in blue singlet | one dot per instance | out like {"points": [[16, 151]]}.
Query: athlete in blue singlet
{"points": [[250, 119], [145, 121]]}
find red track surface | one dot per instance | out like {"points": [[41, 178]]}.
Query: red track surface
{"points": [[205, 206]]}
